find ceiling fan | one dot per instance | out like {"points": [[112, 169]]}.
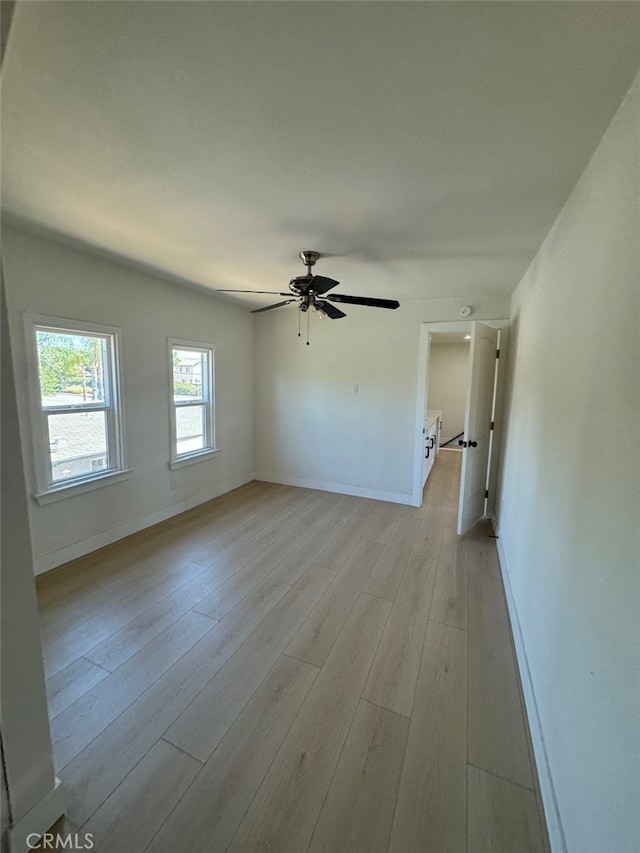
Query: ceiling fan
{"points": [[309, 292]]}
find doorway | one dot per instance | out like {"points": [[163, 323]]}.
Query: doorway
{"points": [[447, 381], [459, 383]]}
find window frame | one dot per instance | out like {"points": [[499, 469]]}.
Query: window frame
{"points": [[46, 489], [208, 401]]}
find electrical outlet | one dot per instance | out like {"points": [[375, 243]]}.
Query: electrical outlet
{"points": [[355, 388], [174, 483]]}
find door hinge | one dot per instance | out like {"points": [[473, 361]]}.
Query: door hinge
{"points": [[486, 493], [497, 353], [493, 423]]}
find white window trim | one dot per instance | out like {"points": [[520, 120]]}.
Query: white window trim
{"points": [[79, 487], [192, 458], [45, 490], [211, 450]]}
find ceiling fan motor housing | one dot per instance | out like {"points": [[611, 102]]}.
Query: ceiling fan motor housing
{"points": [[299, 284]]}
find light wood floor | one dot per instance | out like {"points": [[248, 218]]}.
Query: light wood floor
{"points": [[288, 670]]}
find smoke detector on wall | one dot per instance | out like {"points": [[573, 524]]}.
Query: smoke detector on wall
{"points": [[465, 311]]}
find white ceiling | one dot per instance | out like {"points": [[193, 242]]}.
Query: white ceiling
{"points": [[428, 146]]}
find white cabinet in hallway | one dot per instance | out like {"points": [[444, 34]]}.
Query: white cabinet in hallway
{"points": [[431, 431]]}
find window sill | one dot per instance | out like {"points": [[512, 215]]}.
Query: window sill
{"points": [[193, 458], [69, 490]]}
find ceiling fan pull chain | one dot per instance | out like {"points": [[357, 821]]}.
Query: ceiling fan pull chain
{"points": [[307, 328], [298, 313]]}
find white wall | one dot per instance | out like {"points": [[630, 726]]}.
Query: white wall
{"points": [[30, 792], [447, 389], [45, 277], [569, 507], [312, 430]]}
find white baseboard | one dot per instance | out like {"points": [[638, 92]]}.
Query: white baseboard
{"points": [[339, 488], [46, 562], [37, 820], [547, 789]]}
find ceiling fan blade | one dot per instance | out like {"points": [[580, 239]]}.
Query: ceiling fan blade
{"points": [[275, 292], [330, 310], [320, 284], [270, 307], [364, 300]]}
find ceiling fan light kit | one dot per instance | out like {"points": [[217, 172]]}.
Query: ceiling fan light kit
{"points": [[309, 292]]}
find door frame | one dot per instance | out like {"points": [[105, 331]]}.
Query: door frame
{"points": [[421, 395]]}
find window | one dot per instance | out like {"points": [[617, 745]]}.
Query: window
{"points": [[76, 405], [192, 402]]}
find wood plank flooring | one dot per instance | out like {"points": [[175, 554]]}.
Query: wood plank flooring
{"points": [[288, 670]]}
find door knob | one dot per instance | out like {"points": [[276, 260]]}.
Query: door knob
{"points": [[462, 443], [473, 444]]}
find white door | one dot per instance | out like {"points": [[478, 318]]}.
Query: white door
{"points": [[477, 424], [425, 459]]}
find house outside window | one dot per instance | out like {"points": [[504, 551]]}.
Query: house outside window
{"points": [[192, 401], [76, 404]]}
